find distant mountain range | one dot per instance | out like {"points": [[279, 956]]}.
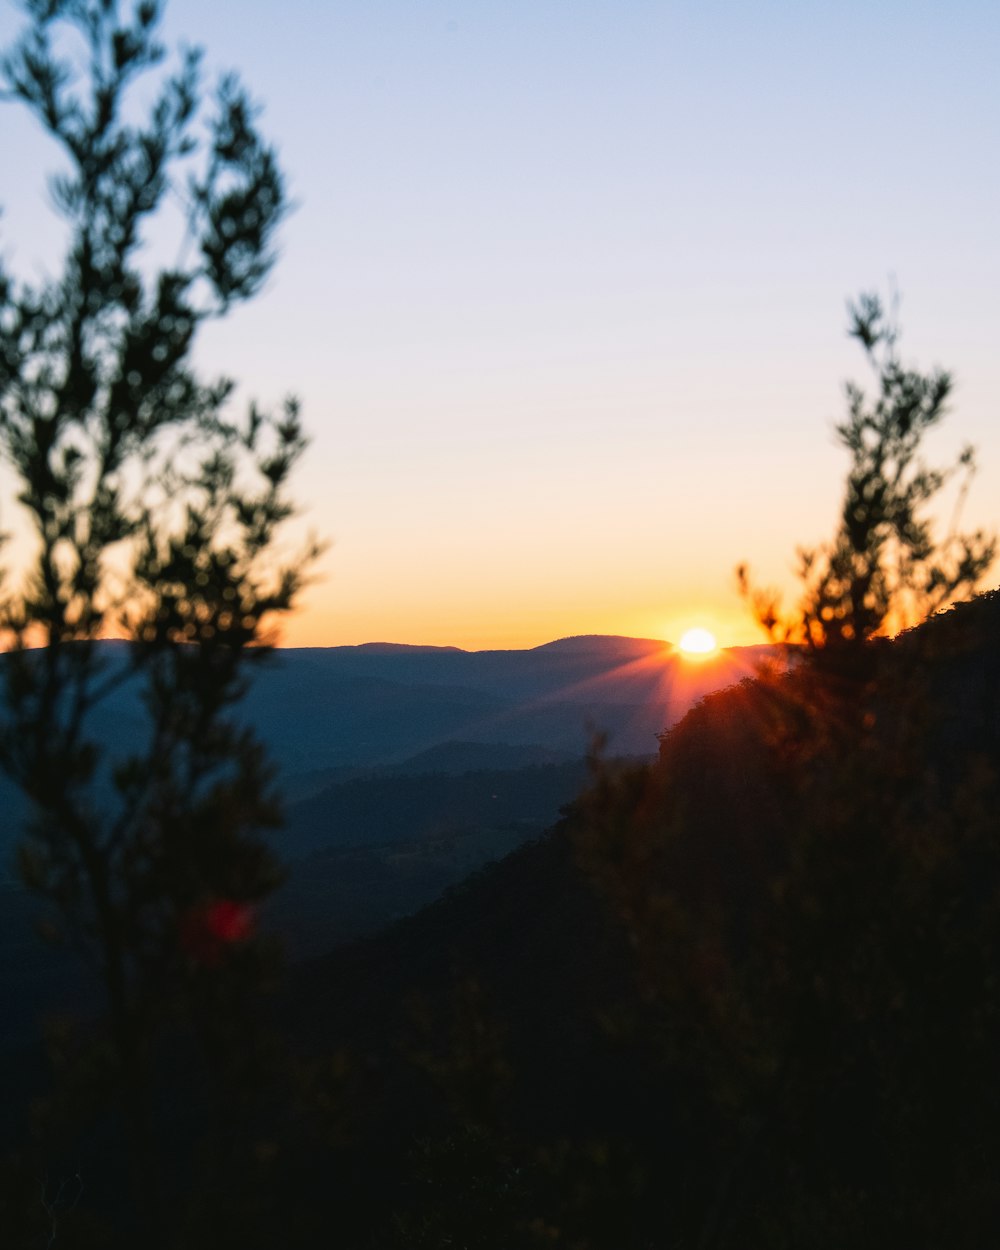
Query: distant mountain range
{"points": [[326, 714], [380, 704], [406, 768]]}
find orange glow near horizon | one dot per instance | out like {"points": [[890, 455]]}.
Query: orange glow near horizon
{"points": [[338, 613], [309, 629], [313, 626]]}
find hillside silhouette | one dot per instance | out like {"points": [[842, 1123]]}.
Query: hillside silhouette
{"points": [[329, 714], [742, 996], [404, 769]]}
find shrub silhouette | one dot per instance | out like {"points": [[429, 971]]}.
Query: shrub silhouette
{"points": [[809, 878], [884, 569], [153, 517]]}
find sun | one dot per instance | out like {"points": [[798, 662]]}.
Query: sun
{"points": [[698, 643]]}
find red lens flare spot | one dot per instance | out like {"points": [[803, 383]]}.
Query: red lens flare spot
{"points": [[208, 929]]}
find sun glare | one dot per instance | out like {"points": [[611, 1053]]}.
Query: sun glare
{"points": [[698, 642]]}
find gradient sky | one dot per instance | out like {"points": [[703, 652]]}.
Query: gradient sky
{"points": [[564, 294]]}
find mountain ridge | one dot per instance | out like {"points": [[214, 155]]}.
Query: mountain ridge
{"points": [[413, 648]]}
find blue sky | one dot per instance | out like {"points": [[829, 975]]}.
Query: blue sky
{"points": [[564, 292]]}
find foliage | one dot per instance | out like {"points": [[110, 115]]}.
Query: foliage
{"points": [[809, 878], [884, 569], [152, 517], [763, 1015], [811, 931]]}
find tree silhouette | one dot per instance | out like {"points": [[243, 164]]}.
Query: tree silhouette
{"points": [[807, 877], [153, 517], [884, 569]]}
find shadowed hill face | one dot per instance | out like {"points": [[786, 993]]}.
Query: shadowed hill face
{"points": [[407, 700], [319, 710], [413, 808], [743, 996], [369, 848], [582, 669]]}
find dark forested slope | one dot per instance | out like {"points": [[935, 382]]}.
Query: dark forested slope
{"points": [[744, 996], [756, 981]]}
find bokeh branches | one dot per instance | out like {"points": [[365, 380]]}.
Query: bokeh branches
{"points": [[150, 514]]}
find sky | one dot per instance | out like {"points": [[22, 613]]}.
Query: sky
{"points": [[564, 291]]}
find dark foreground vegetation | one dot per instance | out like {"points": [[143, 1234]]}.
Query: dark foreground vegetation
{"points": [[744, 996]]}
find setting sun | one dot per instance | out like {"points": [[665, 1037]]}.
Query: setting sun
{"points": [[698, 642]]}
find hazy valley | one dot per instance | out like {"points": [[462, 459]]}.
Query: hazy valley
{"points": [[404, 770]]}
